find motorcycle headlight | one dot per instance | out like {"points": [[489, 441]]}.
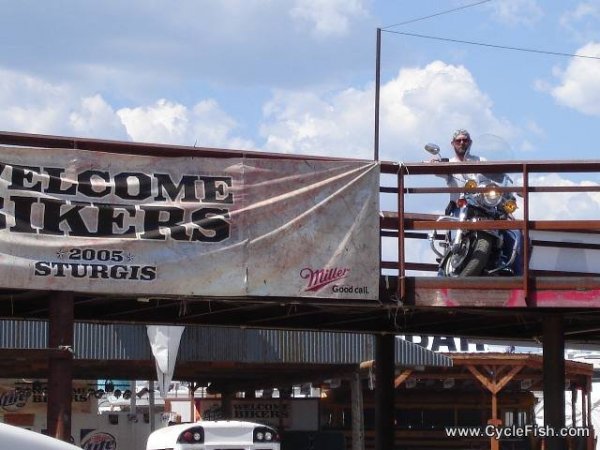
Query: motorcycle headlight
{"points": [[491, 197], [510, 206]]}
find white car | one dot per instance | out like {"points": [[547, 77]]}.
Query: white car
{"points": [[12, 438], [211, 435]]}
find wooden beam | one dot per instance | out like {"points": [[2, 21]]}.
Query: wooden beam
{"points": [[491, 384], [506, 378], [402, 377]]}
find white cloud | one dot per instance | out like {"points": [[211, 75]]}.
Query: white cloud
{"points": [[95, 117], [581, 22], [328, 17], [205, 125], [581, 11], [155, 123], [579, 85], [517, 12], [426, 104], [301, 122], [419, 105], [32, 105]]}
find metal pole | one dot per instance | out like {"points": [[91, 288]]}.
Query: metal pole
{"points": [[377, 85]]}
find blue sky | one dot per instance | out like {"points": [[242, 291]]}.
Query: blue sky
{"points": [[297, 76]]}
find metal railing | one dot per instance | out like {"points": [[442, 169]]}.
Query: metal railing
{"points": [[403, 225]]}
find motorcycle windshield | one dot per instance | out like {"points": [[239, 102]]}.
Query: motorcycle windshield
{"points": [[501, 179]]}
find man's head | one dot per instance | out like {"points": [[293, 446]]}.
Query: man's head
{"points": [[461, 142]]}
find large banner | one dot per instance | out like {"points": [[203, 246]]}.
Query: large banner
{"points": [[126, 224], [285, 414]]}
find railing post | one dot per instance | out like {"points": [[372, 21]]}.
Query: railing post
{"points": [[526, 279], [401, 263]]}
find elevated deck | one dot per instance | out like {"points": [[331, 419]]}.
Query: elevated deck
{"points": [[412, 299]]}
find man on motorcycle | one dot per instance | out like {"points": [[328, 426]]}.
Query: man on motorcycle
{"points": [[461, 143]]}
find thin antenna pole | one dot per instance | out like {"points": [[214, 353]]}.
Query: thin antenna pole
{"points": [[377, 85]]}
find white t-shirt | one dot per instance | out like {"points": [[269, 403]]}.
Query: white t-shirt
{"points": [[459, 179]]}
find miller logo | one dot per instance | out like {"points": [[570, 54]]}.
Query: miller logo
{"points": [[319, 278], [13, 399], [99, 441]]}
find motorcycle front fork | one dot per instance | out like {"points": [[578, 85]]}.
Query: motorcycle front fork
{"points": [[450, 244], [453, 245]]}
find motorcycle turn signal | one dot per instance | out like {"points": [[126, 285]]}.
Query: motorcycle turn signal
{"points": [[510, 206], [470, 184]]}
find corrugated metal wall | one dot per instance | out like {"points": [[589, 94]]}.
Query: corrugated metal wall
{"points": [[118, 341], [23, 334]]}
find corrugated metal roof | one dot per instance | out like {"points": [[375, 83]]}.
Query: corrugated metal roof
{"points": [[415, 355], [199, 343]]}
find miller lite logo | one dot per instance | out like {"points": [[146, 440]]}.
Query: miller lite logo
{"points": [[319, 278], [99, 441]]}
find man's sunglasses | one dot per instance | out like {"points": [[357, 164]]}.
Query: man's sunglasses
{"points": [[462, 140]]}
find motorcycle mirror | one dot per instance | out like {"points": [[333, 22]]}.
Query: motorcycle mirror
{"points": [[434, 149]]}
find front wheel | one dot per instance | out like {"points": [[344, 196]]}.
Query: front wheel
{"points": [[472, 257]]}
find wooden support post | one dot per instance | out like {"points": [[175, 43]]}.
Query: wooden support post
{"points": [[554, 379], [384, 391], [494, 383], [358, 425], [494, 443], [60, 367], [226, 404]]}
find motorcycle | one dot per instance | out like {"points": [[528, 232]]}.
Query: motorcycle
{"points": [[467, 253]]}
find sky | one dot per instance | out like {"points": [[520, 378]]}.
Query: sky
{"points": [[298, 76]]}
